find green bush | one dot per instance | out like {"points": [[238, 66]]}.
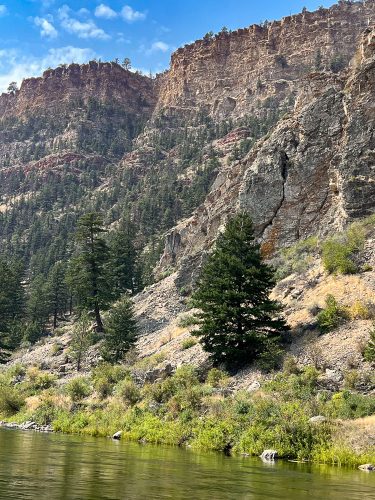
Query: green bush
{"points": [[295, 259], [38, 380], [332, 315], [128, 391], [271, 356], [46, 412], [349, 405], [216, 377], [338, 253], [188, 343], [78, 388], [11, 400], [186, 321], [337, 258], [290, 366], [103, 387]]}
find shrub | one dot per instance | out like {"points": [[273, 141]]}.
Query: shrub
{"points": [[290, 366], [216, 377], [188, 343], [332, 315], [295, 259], [78, 388], [369, 352], [186, 321], [185, 376], [11, 400], [358, 310], [111, 373], [280, 59], [16, 370], [337, 63], [103, 387], [338, 253], [128, 392], [337, 258], [351, 379], [38, 380], [271, 357], [46, 412]]}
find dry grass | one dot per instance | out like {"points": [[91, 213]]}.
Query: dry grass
{"points": [[358, 434]]}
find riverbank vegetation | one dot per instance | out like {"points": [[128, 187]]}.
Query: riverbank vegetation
{"points": [[200, 410]]}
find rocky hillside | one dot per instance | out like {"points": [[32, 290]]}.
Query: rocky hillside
{"points": [[311, 175], [275, 119]]}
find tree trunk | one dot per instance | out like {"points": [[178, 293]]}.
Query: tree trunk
{"points": [[99, 322]]}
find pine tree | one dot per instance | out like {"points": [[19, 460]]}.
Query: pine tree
{"points": [[38, 308], [123, 260], [57, 290], [91, 283], [121, 331], [237, 320], [12, 305], [81, 339]]}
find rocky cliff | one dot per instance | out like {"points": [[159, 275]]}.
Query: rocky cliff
{"points": [[313, 174], [274, 119], [231, 74]]}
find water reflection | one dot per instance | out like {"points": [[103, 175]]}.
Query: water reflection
{"points": [[39, 466]]}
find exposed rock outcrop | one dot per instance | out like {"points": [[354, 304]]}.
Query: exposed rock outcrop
{"points": [[312, 175]]}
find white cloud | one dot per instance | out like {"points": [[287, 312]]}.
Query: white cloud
{"points": [[83, 12], [87, 29], [15, 67], [105, 11], [132, 15], [47, 3], [158, 47], [47, 29], [3, 10]]}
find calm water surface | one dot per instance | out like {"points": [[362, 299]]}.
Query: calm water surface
{"points": [[49, 466]]}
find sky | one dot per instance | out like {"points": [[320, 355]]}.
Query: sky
{"points": [[37, 34]]}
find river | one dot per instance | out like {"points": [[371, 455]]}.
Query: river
{"points": [[55, 466]]}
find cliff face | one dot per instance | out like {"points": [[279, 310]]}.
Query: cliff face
{"points": [[74, 109], [106, 82], [231, 74], [313, 174], [184, 148]]}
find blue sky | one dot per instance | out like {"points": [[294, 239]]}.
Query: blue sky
{"points": [[37, 34]]}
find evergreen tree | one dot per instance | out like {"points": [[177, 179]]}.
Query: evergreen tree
{"points": [[12, 299], [57, 290], [121, 331], [12, 305], [91, 283], [81, 339], [237, 319], [38, 308], [123, 260]]}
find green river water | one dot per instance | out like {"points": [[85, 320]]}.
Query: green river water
{"points": [[54, 466]]}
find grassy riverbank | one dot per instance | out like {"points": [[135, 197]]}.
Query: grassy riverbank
{"points": [[199, 411]]}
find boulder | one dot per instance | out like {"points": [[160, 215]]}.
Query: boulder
{"points": [[28, 425], [367, 467], [269, 455], [318, 419], [117, 435], [254, 386]]}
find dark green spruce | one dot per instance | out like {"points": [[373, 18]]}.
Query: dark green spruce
{"points": [[88, 275], [238, 322]]}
